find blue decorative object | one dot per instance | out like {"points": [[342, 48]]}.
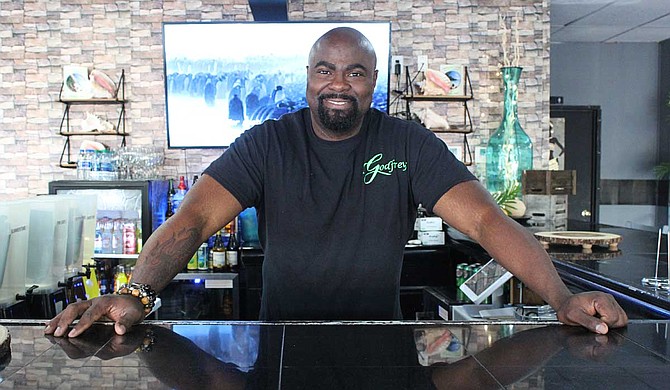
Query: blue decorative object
{"points": [[510, 150]]}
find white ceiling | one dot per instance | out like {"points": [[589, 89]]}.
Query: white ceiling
{"points": [[612, 21]]}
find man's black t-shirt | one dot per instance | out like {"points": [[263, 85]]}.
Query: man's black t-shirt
{"points": [[334, 217]]}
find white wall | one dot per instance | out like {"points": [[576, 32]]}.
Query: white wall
{"points": [[623, 80]]}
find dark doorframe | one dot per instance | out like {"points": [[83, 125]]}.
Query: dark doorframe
{"points": [[582, 153]]}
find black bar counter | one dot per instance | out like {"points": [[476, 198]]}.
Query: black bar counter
{"points": [[339, 355], [617, 272]]}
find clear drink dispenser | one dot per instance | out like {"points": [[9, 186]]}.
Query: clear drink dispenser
{"points": [[47, 242], [81, 230], [14, 230], [89, 211]]}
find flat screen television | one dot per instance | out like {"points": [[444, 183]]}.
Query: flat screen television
{"points": [[222, 78]]}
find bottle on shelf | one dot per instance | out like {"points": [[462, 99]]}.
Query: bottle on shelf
{"points": [[170, 198], [195, 178], [106, 236], [117, 236], [129, 233], [202, 257], [232, 251], [420, 213], [210, 245], [105, 168], [138, 236], [219, 254], [179, 194], [97, 243], [226, 233], [91, 285], [101, 270], [94, 173], [120, 277], [84, 164]]}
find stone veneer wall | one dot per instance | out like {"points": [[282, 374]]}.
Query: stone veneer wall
{"points": [[38, 37]]}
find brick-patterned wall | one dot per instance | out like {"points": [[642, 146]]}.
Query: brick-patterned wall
{"points": [[38, 37]]}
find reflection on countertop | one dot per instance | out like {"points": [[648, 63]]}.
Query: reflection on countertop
{"points": [[342, 355]]}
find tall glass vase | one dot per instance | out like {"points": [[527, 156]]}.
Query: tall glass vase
{"points": [[510, 150]]}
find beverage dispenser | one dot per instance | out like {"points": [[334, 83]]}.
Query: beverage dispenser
{"points": [[47, 251], [80, 243], [14, 229]]}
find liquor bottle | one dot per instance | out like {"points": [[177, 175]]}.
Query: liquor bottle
{"points": [[232, 251], [195, 178], [179, 194], [226, 233], [120, 277], [170, 198], [219, 254], [420, 213]]}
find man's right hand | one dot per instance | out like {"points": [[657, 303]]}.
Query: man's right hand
{"points": [[124, 310]]}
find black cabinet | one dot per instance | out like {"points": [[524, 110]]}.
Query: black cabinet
{"points": [[201, 296], [427, 266], [251, 283]]}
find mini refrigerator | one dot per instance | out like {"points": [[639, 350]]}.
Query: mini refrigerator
{"points": [[145, 200]]}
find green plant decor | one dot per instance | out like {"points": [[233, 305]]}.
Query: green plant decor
{"points": [[506, 198], [662, 170]]}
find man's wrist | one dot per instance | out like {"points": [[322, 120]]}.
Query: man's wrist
{"points": [[143, 292]]}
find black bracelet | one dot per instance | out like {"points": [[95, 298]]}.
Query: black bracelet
{"points": [[143, 292]]}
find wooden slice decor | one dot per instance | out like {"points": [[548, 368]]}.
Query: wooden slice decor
{"points": [[584, 254], [584, 239]]}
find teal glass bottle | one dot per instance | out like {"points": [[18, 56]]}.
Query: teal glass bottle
{"points": [[510, 150]]}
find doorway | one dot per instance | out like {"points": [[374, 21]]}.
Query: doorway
{"points": [[580, 151]]}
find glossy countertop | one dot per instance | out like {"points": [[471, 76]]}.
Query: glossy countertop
{"points": [[619, 272], [340, 355]]}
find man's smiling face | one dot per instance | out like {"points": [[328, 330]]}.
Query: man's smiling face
{"points": [[341, 78]]}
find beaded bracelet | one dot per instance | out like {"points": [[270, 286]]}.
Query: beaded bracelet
{"points": [[143, 292]]}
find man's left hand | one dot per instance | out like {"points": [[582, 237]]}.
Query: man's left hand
{"points": [[595, 311]]}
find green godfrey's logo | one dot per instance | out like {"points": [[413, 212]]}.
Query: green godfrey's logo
{"points": [[372, 168]]}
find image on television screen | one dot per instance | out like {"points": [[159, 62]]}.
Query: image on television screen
{"points": [[222, 78]]}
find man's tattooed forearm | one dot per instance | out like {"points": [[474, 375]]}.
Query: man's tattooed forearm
{"points": [[181, 245]]}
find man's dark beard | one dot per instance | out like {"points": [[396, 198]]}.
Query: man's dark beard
{"points": [[338, 121]]}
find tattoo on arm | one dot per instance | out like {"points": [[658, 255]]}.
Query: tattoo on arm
{"points": [[180, 246]]}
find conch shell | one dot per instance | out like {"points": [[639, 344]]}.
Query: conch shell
{"points": [[436, 83], [432, 120], [103, 85]]}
